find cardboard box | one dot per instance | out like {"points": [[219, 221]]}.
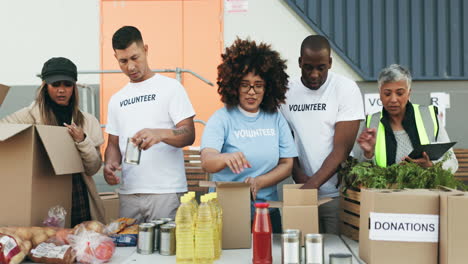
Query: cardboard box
{"points": [[399, 226], [3, 92], [234, 198], [453, 243], [299, 209], [35, 167], [111, 205]]}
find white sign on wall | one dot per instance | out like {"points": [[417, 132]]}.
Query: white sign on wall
{"points": [[404, 227], [442, 101], [372, 103], [236, 6]]}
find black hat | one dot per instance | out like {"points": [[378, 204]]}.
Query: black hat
{"points": [[59, 69]]}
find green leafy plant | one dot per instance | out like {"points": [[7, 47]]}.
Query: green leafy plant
{"points": [[356, 174]]}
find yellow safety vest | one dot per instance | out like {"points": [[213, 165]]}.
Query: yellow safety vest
{"points": [[426, 124]]}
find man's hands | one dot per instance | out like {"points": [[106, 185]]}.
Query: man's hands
{"points": [[147, 137], [367, 141], [109, 173]]}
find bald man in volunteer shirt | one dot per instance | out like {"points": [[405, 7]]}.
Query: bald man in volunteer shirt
{"points": [[323, 110]]}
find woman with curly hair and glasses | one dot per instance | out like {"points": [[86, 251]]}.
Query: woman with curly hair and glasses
{"points": [[248, 140]]}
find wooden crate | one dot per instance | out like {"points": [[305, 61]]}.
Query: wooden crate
{"points": [[195, 172], [462, 157], [350, 204]]}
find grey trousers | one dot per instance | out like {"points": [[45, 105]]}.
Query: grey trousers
{"points": [[147, 207], [329, 217]]}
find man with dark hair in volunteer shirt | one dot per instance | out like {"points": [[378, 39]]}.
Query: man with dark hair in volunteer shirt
{"points": [[323, 110], [155, 113]]}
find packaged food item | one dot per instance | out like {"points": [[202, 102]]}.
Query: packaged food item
{"points": [[93, 225], [123, 231], [92, 247], [56, 217], [119, 225], [52, 254], [10, 251]]}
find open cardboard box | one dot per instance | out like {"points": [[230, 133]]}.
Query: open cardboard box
{"points": [[36, 163], [300, 209], [111, 205], [234, 198], [3, 92], [453, 233]]}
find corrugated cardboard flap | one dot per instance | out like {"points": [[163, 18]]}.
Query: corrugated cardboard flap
{"points": [[275, 204], [61, 149], [231, 184], [222, 184], [293, 195], [9, 130], [3, 92], [108, 195]]}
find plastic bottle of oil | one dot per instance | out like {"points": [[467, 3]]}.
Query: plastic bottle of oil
{"points": [[219, 223], [204, 245], [194, 200], [185, 249], [194, 203], [214, 215]]}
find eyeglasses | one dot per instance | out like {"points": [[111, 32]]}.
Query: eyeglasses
{"points": [[259, 87], [64, 83]]}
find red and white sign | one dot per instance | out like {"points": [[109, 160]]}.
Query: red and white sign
{"points": [[236, 6]]}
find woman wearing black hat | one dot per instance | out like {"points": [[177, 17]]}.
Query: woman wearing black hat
{"points": [[57, 104]]}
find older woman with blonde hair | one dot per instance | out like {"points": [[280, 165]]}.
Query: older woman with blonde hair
{"points": [[389, 136], [57, 104]]}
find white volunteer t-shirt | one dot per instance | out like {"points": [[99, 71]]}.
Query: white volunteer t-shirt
{"points": [[159, 102], [312, 116]]}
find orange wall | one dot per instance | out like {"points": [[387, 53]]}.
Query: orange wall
{"points": [[185, 34]]}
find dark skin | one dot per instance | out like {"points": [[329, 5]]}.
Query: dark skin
{"points": [[314, 66]]}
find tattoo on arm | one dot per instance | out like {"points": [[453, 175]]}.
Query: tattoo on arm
{"points": [[180, 131]]}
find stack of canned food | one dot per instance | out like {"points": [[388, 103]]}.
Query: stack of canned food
{"points": [[291, 252], [157, 236]]}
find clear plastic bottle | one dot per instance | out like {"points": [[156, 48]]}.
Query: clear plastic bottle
{"points": [[214, 215], [204, 245], [194, 203], [219, 223], [185, 248], [194, 200]]}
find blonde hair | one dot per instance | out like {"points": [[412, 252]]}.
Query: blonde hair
{"points": [[43, 101]]}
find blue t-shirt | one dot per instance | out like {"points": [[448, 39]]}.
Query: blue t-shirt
{"points": [[263, 139]]}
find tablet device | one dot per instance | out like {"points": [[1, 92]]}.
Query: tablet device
{"points": [[434, 150]]}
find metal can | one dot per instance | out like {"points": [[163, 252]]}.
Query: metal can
{"points": [[290, 248], [132, 153], [338, 258], [167, 246], [294, 231], [166, 219], [314, 249], [157, 233], [145, 238]]}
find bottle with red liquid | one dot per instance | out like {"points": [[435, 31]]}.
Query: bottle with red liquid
{"points": [[262, 235]]}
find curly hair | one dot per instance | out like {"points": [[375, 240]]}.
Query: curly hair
{"points": [[245, 56]]}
